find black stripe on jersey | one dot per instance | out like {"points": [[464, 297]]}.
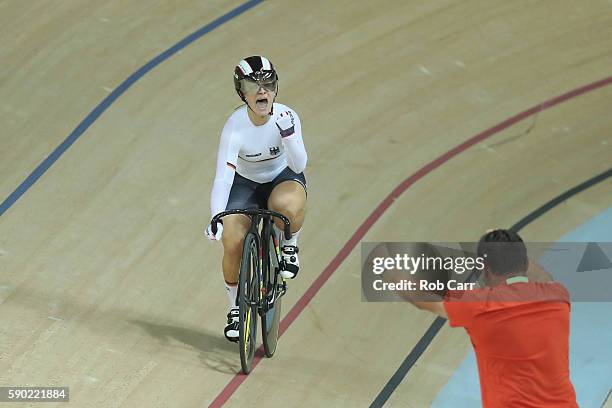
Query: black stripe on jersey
{"points": [[259, 161]]}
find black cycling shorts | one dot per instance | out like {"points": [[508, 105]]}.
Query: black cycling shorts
{"points": [[247, 194]]}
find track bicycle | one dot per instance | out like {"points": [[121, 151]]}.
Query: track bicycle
{"points": [[260, 285]]}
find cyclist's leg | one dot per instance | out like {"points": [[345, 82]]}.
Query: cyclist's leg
{"points": [[243, 195], [288, 197], [235, 227]]}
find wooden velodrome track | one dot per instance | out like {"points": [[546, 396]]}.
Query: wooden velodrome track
{"points": [[106, 284]]}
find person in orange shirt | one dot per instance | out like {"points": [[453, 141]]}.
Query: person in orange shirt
{"points": [[518, 326]]}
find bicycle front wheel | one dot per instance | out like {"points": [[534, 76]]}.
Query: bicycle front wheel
{"points": [[273, 299], [248, 297]]}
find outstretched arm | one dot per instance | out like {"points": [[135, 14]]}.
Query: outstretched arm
{"points": [[415, 296]]}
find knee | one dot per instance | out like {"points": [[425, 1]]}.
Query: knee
{"points": [[289, 208], [232, 241], [288, 205], [295, 212]]}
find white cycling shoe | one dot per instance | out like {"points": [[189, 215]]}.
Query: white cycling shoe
{"points": [[291, 263], [232, 327]]}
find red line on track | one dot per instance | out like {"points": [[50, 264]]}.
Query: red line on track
{"points": [[314, 288]]}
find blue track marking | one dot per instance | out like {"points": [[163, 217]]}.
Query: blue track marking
{"points": [[590, 339], [112, 97]]}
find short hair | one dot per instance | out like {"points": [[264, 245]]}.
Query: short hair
{"points": [[504, 252]]}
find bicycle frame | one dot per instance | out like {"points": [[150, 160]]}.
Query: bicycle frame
{"points": [[264, 292], [257, 216]]}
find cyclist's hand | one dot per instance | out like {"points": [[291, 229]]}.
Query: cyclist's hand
{"points": [[214, 237], [286, 124]]}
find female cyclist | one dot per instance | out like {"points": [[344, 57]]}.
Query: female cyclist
{"points": [[260, 164]]}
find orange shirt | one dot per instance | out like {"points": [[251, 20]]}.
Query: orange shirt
{"points": [[520, 334]]}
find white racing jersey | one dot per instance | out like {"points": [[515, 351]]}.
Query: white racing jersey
{"points": [[258, 153]]}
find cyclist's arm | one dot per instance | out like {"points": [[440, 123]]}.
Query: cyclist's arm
{"points": [[227, 158], [294, 147]]}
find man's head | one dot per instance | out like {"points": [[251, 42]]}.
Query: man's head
{"points": [[504, 254]]}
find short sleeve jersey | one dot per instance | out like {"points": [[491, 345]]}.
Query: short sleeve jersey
{"points": [[520, 334]]}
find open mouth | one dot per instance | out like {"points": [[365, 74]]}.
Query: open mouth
{"points": [[261, 103]]}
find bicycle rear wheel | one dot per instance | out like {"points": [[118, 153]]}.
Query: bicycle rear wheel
{"points": [[248, 296], [271, 318]]}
